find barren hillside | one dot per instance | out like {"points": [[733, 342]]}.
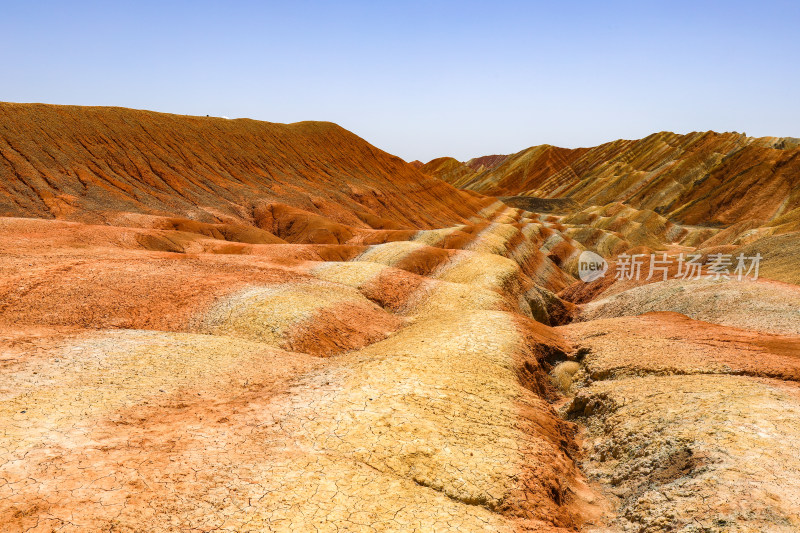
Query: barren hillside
{"points": [[84, 162], [232, 325], [699, 178]]}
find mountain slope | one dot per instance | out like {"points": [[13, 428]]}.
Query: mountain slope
{"points": [[82, 162], [699, 178]]}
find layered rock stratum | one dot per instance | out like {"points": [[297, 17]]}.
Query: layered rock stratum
{"points": [[232, 325], [703, 178]]}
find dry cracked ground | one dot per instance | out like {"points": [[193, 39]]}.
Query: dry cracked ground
{"points": [[261, 392], [401, 387], [314, 370]]}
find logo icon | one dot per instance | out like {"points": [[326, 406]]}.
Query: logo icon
{"points": [[591, 266]]}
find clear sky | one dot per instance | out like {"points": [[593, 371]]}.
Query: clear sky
{"points": [[422, 79]]}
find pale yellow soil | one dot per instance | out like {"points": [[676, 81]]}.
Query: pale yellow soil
{"points": [[764, 305], [696, 452], [678, 434], [395, 387], [431, 412]]}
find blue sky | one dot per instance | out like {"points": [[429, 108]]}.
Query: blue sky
{"points": [[422, 79]]}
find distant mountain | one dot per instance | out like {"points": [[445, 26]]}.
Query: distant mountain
{"points": [[700, 178]]}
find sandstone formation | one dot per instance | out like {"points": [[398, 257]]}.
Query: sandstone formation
{"points": [[700, 178], [231, 325], [83, 163]]}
